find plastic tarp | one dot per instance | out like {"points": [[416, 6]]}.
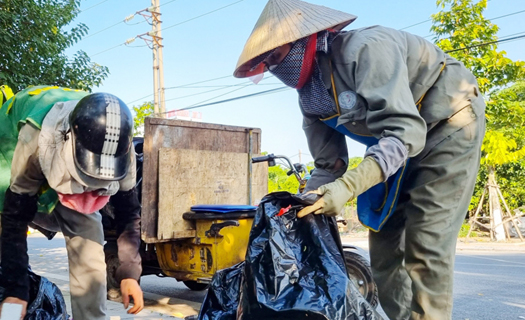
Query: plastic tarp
{"points": [[46, 301], [294, 269]]}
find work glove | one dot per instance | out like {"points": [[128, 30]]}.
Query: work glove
{"points": [[336, 194]]}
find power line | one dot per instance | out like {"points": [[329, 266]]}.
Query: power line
{"points": [[134, 24], [487, 43], [101, 2], [108, 49], [244, 85], [189, 85], [202, 15], [238, 98], [274, 90], [203, 92], [507, 15], [149, 95], [428, 20], [415, 24], [283, 88], [218, 88], [167, 3], [199, 82], [491, 19], [182, 86], [224, 86], [221, 95], [116, 24], [131, 17], [126, 20]]}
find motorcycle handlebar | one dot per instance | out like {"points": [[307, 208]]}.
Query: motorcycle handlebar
{"points": [[267, 157]]}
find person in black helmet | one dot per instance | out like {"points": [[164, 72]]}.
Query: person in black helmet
{"points": [[71, 153]]}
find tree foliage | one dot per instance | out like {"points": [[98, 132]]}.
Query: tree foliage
{"points": [[507, 119], [278, 180], [34, 35], [142, 111], [461, 26]]}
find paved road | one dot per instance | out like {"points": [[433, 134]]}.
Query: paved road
{"points": [[488, 285]]}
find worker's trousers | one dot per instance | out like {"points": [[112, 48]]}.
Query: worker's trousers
{"points": [[87, 268], [412, 257]]}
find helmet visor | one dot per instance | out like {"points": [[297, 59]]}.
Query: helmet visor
{"points": [[100, 166]]}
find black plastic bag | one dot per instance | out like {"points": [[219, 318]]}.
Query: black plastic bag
{"points": [[294, 269], [222, 298], [46, 301]]}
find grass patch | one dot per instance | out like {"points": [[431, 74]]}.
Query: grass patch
{"points": [[465, 227]]}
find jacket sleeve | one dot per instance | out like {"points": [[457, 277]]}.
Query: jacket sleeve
{"points": [[20, 206], [127, 219], [381, 77], [26, 173], [326, 147], [19, 210]]}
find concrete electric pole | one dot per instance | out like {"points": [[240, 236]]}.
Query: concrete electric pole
{"points": [[153, 12], [158, 63]]}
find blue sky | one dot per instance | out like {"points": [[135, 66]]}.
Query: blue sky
{"points": [[208, 47]]}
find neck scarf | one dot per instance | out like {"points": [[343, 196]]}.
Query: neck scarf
{"points": [[300, 70]]}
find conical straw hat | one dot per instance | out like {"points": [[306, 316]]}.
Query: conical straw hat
{"points": [[285, 21]]}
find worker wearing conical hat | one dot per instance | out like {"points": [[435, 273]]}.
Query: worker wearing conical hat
{"points": [[421, 116]]}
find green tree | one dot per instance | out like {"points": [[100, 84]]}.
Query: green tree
{"points": [[461, 24], [278, 180], [507, 140], [461, 28], [33, 38], [142, 111]]}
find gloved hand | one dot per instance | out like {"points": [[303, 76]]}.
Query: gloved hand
{"points": [[336, 194]]}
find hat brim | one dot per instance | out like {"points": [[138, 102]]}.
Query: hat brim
{"points": [[250, 69], [283, 22]]}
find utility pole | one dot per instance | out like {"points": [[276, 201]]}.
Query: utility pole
{"points": [[154, 41], [158, 63]]}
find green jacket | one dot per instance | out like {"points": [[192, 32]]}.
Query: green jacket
{"points": [[30, 105]]}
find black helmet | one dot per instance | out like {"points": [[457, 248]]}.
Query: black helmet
{"points": [[101, 126]]}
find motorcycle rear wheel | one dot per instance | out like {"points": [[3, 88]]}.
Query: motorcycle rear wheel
{"points": [[360, 273]]}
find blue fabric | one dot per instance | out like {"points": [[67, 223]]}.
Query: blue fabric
{"points": [[376, 205], [221, 208]]}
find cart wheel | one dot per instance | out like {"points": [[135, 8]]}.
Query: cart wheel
{"points": [[195, 286], [361, 275], [112, 264]]}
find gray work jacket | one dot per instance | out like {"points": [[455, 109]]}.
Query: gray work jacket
{"points": [[379, 75]]}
